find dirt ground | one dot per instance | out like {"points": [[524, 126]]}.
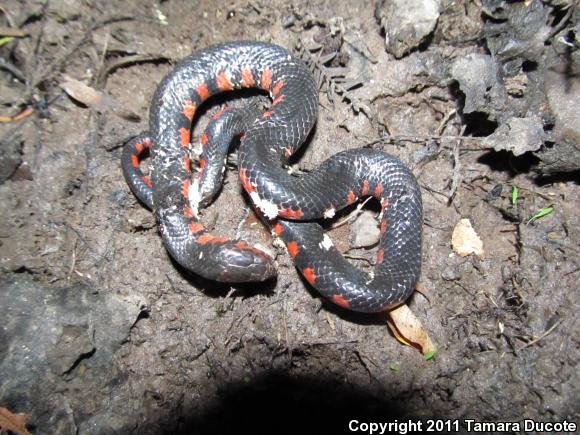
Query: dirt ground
{"points": [[102, 333]]}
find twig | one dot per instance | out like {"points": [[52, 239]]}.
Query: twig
{"points": [[445, 120], [5, 65], [80, 236], [130, 60], [433, 191], [18, 117], [333, 78], [563, 21], [331, 343], [456, 180], [289, 344], [358, 257], [544, 335], [8, 16], [73, 260], [421, 139], [353, 216], [32, 62]]}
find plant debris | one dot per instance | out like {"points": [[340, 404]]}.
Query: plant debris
{"points": [[465, 240]]}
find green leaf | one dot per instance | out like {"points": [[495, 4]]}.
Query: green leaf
{"points": [[543, 212], [515, 192], [394, 367], [429, 355], [6, 40]]}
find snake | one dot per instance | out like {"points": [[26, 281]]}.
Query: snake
{"points": [[294, 205]]}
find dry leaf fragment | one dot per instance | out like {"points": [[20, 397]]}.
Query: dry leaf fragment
{"points": [[409, 330], [465, 240], [12, 422], [85, 94], [94, 99]]}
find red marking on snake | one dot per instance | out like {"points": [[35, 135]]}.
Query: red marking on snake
{"points": [[365, 188], [289, 213], [205, 238], [288, 151], [277, 87], [204, 139], [185, 189], [378, 189], [247, 78], [195, 228], [202, 165], [278, 100], [134, 161], [292, 249], [186, 163], [340, 301], [267, 114], [219, 240], [147, 181], [384, 203], [208, 238], [223, 82], [139, 147], [245, 247], [351, 197], [203, 91], [266, 79], [184, 137], [278, 230], [384, 226], [380, 255], [245, 182], [309, 275], [188, 212], [189, 110]]}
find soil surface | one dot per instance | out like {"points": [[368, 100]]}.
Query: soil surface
{"points": [[102, 333]]}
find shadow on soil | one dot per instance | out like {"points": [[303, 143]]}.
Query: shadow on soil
{"points": [[278, 403]]}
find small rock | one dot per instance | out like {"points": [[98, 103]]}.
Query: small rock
{"points": [[406, 23], [465, 240], [45, 333], [477, 78], [518, 30], [395, 78], [451, 273], [518, 135], [562, 89], [364, 231]]}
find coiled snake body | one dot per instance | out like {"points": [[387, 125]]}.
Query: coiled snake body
{"points": [[290, 202]]}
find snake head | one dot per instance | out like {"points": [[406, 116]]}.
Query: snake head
{"points": [[244, 263]]}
